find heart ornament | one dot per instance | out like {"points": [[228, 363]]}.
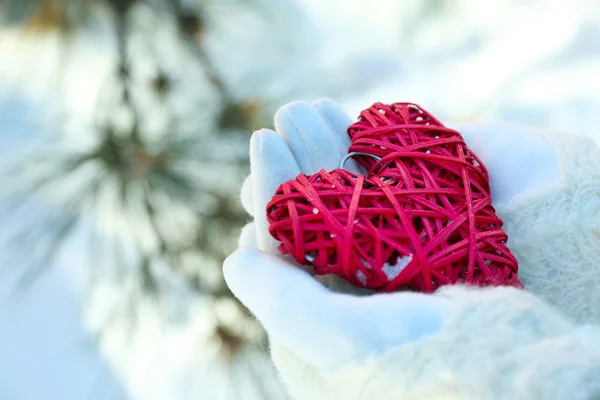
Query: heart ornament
{"points": [[420, 217]]}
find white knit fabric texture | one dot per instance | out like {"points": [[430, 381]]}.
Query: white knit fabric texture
{"points": [[554, 231]]}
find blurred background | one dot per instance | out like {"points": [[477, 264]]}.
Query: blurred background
{"points": [[124, 131]]}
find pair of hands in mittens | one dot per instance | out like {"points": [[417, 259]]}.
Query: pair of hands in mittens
{"points": [[324, 328]]}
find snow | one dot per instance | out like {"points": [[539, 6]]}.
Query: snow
{"points": [[392, 270], [362, 278]]}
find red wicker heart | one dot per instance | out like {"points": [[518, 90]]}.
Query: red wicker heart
{"points": [[422, 218]]}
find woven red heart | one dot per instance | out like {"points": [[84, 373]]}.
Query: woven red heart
{"points": [[420, 219]]}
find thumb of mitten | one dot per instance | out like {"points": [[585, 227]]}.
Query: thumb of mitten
{"points": [[546, 189]]}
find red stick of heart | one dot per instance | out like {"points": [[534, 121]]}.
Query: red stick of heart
{"points": [[421, 217]]}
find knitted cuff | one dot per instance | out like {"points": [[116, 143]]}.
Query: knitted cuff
{"points": [[500, 343]]}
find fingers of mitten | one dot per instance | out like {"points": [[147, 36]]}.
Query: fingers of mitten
{"points": [[339, 122], [517, 158], [271, 164], [246, 196], [313, 143], [336, 118], [247, 238]]}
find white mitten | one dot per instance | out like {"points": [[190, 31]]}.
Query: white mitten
{"points": [[459, 343], [546, 188]]}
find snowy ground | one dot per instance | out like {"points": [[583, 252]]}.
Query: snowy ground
{"points": [[534, 62]]}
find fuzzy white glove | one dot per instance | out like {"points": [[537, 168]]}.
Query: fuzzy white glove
{"points": [[458, 343]]}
